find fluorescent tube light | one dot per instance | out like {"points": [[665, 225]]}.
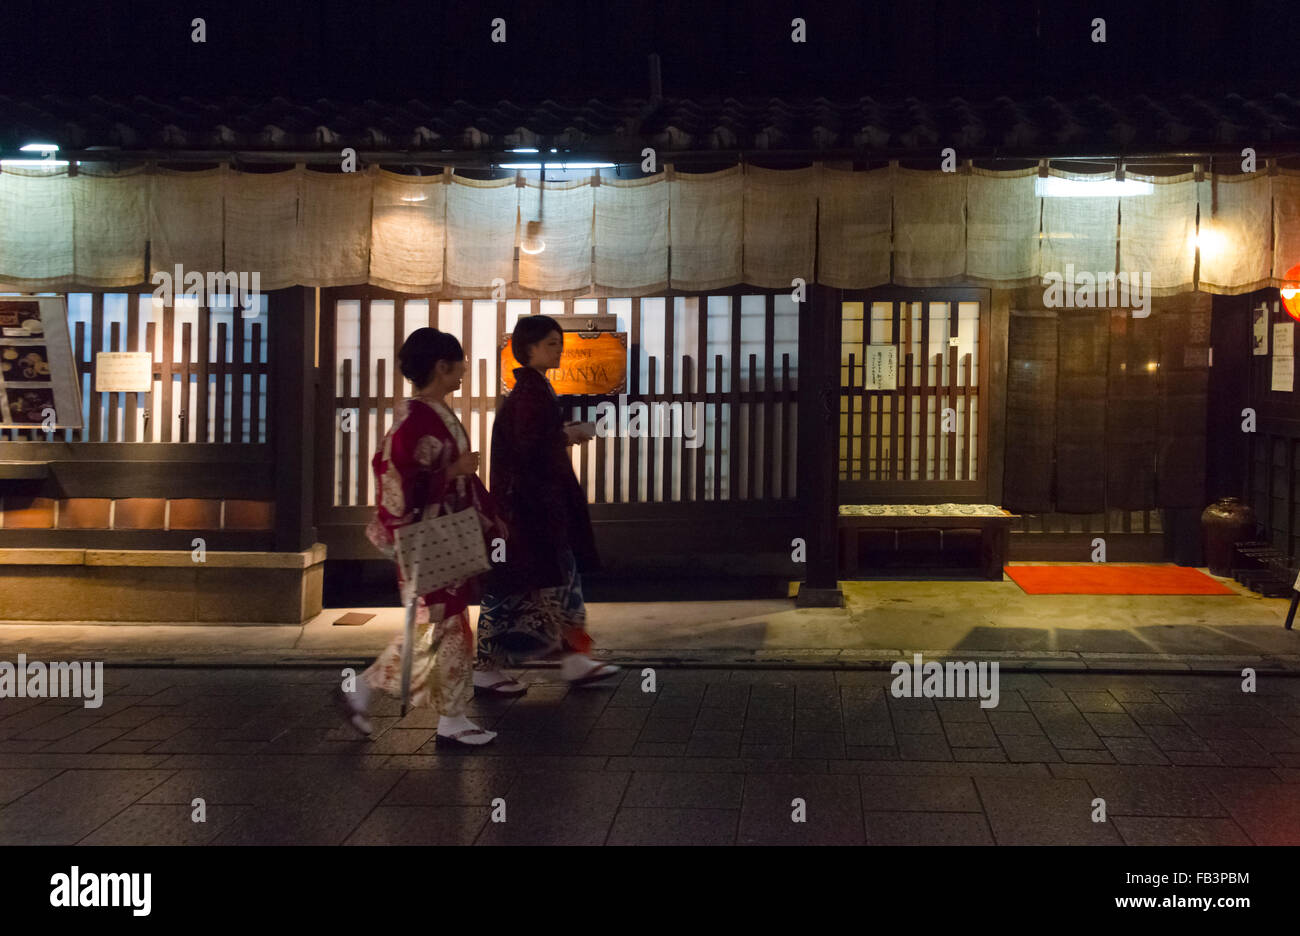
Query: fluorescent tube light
{"points": [[1056, 187]]}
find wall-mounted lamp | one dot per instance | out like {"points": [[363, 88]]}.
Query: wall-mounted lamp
{"points": [[1291, 293]]}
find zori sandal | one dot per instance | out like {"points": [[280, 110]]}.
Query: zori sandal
{"points": [[596, 674], [470, 737], [354, 716], [498, 684]]}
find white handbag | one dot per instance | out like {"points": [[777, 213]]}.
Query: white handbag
{"points": [[437, 551]]}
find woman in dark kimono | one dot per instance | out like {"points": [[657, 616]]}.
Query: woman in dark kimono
{"points": [[532, 607]]}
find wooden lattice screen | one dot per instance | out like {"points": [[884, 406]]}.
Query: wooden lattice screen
{"points": [[747, 449], [924, 436], [211, 375]]}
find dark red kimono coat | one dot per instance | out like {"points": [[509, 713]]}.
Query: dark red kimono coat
{"points": [[533, 484]]}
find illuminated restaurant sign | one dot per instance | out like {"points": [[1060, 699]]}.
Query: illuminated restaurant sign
{"points": [[591, 363]]}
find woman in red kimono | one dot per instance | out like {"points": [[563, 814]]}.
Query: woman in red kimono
{"points": [[425, 463], [533, 606]]}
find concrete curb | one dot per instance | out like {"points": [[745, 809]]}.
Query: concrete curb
{"points": [[1199, 665]]}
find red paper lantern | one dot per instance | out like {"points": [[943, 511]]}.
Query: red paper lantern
{"points": [[1291, 293]]}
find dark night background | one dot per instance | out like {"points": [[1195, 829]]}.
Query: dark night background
{"points": [[387, 50]]}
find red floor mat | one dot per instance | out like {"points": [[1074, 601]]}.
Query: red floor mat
{"points": [[1100, 579]]}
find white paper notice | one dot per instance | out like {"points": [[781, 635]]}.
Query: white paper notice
{"points": [[882, 367], [123, 372], [1284, 357], [1259, 340], [1283, 374], [1284, 338]]}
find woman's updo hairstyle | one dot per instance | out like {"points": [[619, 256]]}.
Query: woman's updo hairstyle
{"points": [[424, 348], [529, 330]]}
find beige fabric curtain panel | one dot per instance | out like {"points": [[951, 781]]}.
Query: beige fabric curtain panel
{"points": [[111, 218], [36, 229], [261, 227], [1286, 221], [1235, 225], [481, 221], [334, 224], [706, 213], [555, 258], [1080, 232], [408, 231], [1002, 221], [690, 231], [854, 234], [631, 231], [929, 227], [780, 241], [1158, 233], [185, 210]]}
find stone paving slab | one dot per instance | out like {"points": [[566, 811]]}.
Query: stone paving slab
{"points": [[714, 756]]}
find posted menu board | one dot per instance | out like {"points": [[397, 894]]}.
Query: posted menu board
{"points": [[38, 378]]}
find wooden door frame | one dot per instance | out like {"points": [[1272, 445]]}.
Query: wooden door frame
{"points": [[987, 487]]}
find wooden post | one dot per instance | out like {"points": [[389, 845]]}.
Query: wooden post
{"points": [[291, 315], [819, 336]]}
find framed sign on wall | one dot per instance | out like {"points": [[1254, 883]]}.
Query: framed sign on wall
{"points": [[592, 363], [39, 385]]}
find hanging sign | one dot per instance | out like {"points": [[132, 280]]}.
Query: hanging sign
{"points": [[881, 372], [1259, 339], [39, 386], [591, 363], [123, 372]]}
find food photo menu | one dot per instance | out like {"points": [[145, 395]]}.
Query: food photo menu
{"points": [[38, 378]]}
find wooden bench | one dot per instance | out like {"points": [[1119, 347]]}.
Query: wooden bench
{"points": [[993, 524]]}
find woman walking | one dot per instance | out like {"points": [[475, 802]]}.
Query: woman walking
{"points": [[425, 465], [533, 607]]}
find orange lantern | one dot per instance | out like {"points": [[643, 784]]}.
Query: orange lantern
{"points": [[1291, 293]]}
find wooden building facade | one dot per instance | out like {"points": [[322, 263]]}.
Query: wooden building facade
{"points": [[1086, 421]]}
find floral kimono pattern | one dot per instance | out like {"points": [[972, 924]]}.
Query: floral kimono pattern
{"points": [[411, 478]]}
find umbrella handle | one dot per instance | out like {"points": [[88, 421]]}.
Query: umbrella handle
{"points": [[409, 638]]}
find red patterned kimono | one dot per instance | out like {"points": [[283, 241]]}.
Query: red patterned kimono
{"points": [[411, 472]]}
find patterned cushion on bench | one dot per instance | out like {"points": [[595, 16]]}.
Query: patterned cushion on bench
{"points": [[921, 510]]}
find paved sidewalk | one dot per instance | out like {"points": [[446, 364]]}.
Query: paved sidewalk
{"points": [[884, 621], [714, 756]]}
